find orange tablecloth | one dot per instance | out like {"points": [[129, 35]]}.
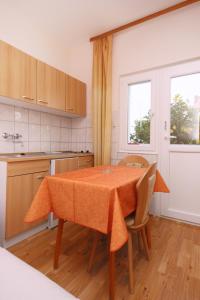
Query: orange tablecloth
{"points": [[97, 198]]}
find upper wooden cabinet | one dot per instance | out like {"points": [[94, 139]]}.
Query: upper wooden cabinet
{"points": [[75, 96], [17, 74], [50, 86], [24, 78]]}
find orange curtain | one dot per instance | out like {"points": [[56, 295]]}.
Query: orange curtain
{"points": [[102, 100]]}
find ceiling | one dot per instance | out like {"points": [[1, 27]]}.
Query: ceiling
{"points": [[69, 22]]}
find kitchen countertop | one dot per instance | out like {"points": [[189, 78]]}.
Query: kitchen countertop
{"points": [[14, 157]]}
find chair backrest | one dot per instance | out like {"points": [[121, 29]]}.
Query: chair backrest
{"points": [[134, 161], [144, 188]]}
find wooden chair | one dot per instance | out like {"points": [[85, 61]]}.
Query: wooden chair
{"points": [[134, 161], [140, 221]]}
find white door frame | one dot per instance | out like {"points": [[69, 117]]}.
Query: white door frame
{"points": [[164, 135]]}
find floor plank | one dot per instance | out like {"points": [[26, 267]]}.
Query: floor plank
{"points": [[172, 273]]}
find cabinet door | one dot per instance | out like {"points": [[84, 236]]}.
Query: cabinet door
{"points": [[75, 96], [37, 179], [86, 161], [20, 192], [17, 74], [50, 86], [19, 198], [65, 165], [81, 98]]}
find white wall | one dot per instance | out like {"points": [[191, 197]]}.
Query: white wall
{"points": [[30, 38], [37, 136], [165, 40]]}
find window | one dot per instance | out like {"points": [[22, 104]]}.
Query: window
{"points": [[139, 117], [185, 110], [137, 97]]}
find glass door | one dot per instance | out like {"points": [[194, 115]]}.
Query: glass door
{"points": [[180, 140]]}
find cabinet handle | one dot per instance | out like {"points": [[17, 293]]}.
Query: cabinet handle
{"points": [[42, 101], [28, 98], [40, 177]]}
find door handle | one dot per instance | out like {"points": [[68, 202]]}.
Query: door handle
{"points": [[28, 98], [43, 101], [169, 137], [40, 177]]}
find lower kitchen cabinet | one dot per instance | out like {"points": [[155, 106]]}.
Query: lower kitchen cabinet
{"points": [[23, 181], [66, 164], [21, 189], [74, 163], [86, 161]]}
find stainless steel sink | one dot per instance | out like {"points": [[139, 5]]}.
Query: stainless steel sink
{"points": [[22, 154], [18, 155]]}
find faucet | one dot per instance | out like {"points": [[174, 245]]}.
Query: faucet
{"points": [[15, 136]]}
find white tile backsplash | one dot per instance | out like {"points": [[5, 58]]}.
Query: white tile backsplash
{"points": [[34, 117], [21, 114], [6, 112], [66, 122], [79, 123], [89, 135], [21, 147], [6, 126], [34, 146], [55, 121], [34, 132], [45, 146], [55, 134], [55, 146], [7, 147], [45, 119], [22, 128], [43, 131], [64, 134]]}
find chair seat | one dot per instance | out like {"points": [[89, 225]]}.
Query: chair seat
{"points": [[130, 219]]}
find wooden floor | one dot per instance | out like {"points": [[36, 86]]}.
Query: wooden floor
{"points": [[173, 272]]}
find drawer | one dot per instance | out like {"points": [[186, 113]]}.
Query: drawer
{"points": [[86, 161], [65, 165], [27, 167]]}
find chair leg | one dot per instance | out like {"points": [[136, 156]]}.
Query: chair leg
{"points": [[111, 269], [58, 243], [139, 241], [148, 233], [94, 246], [144, 238], [130, 262]]}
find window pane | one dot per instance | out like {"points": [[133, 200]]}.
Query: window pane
{"points": [[139, 107], [185, 109]]}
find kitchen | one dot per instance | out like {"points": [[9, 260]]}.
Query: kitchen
{"points": [[51, 122]]}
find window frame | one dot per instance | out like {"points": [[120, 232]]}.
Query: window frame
{"points": [[125, 81]]}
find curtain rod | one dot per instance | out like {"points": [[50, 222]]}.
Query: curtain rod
{"points": [[144, 19]]}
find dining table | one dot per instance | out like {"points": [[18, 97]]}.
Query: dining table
{"points": [[98, 198]]}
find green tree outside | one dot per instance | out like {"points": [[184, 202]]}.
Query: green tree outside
{"points": [[142, 131], [183, 118], [182, 121]]}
